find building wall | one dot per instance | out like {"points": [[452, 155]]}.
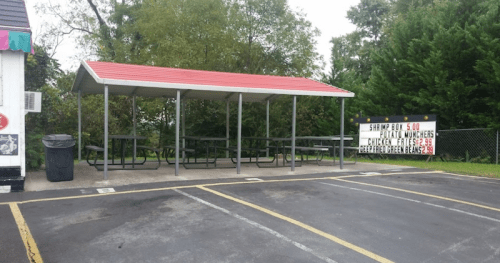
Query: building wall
{"points": [[12, 105]]}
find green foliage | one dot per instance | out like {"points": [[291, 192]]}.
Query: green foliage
{"points": [[418, 57], [39, 70], [433, 65], [34, 151], [40, 67], [369, 16]]}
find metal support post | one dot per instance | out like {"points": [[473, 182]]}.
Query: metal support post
{"points": [[227, 128], [183, 128], [134, 120], [497, 147], [177, 119], [106, 95], [240, 106], [79, 125], [341, 154], [267, 129], [293, 131]]}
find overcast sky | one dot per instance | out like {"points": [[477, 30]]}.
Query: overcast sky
{"points": [[329, 16]]}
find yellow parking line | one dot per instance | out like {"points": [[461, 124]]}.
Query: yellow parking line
{"points": [[371, 175], [305, 226], [30, 244], [159, 189], [422, 194], [97, 195], [475, 177], [194, 186]]}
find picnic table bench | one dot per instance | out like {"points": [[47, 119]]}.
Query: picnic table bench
{"points": [[171, 150], [351, 148], [305, 149], [93, 148], [234, 150]]}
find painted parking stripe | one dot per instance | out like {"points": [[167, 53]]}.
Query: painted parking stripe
{"points": [[253, 223], [30, 244], [105, 190], [305, 226], [422, 194], [415, 201], [475, 180], [5, 189], [166, 188], [472, 176], [194, 186], [370, 173]]}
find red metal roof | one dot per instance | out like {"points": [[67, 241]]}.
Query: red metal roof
{"points": [[128, 72]]}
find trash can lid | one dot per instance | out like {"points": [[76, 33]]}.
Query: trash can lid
{"points": [[58, 140], [58, 137]]}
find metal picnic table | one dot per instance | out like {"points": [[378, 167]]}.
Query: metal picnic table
{"points": [[330, 142], [123, 147], [123, 139], [277, 147], [207, 147]]}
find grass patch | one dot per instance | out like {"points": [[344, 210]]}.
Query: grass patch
{"points": [[479, 169]]}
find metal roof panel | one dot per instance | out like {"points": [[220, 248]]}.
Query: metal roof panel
{"points": [[13, 14], [151, 81], [117, 74]]}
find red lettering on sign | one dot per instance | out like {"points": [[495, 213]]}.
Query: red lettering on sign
{"points": [[3, 121], [413, 126]]}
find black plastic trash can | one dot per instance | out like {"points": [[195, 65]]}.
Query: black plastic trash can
{"points": [[59, 164]]}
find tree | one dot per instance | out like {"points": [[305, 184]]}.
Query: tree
{"points": [[248, 36], [186, 34], [369, 16], [40, 69], [275, 40], [436, 63], [483, 35]]}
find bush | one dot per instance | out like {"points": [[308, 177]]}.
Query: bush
{"points": [[34, 151]]}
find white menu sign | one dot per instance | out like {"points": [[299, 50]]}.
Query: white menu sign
{"points": [[418, 138]]}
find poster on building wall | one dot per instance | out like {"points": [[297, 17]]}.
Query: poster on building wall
{"points": [[414, 135], [4, 121], [9, 144]]}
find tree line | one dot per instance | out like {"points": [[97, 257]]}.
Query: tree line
{"points": [[423, 57], [405, 57]]}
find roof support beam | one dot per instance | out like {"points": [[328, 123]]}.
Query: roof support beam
{"points": [[341, 155], [267, 129], [183, 124], [293, 131], [184, 93], [272, 97], [177, 119], [134, 130], [229, 95], [134, 91], [79, 125], [227, 128], [240, 106], [106, 95]]}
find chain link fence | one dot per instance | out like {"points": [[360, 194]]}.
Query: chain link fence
{"points": [[468, 145], [465, 145]]}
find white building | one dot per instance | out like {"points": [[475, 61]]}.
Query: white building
{"points": [[15, 41]]}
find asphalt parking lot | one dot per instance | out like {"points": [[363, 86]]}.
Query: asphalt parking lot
{"points": [[402, 215]]}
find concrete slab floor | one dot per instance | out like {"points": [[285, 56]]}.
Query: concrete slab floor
{"points": [[86, 176]]}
